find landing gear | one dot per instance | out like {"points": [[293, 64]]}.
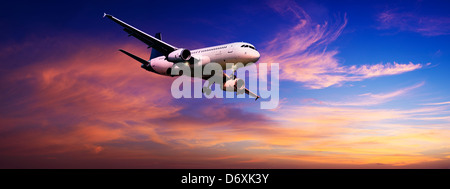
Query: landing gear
{"points": [[233, 69], [206, 90]]}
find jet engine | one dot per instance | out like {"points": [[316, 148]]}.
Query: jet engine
{"points": [[161, 66], [179, 55], [237, 85]]}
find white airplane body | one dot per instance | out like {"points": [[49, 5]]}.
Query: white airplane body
{"points": [[165, 56]]}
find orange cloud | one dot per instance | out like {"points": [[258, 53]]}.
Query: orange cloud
{"points": [[97, 103], [362, 135], [77, 102]]}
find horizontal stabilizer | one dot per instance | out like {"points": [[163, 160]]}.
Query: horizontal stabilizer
{"points": [[145, 63]]}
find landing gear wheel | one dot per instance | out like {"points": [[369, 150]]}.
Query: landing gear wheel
{"points": [[206, 90], [233, 69]]}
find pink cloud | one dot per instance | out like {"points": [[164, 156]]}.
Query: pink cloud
{"points": [[414, 22], [437, 103], [368, 71], [303, 56], [79, 100]]}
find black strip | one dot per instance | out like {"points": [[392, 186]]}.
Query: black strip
{"points": [[173, 178]]}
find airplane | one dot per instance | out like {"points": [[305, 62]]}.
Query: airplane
{"points": [[164, 58]]}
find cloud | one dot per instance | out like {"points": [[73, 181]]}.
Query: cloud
{"points": [[92, 102], [369, 99], [303, 55], [413, 22], [437, 103], [368, 71], [79, 100], [94, 109], [314, 134], [350, 135]]}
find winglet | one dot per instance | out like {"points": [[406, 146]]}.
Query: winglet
{"points": [[106, 15], [256, 98]]}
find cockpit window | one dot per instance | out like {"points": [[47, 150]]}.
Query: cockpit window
{"points": [[248, 46]]}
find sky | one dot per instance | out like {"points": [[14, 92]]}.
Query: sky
{"points": [[362, 85]]}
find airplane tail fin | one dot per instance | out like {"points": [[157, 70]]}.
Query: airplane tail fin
{"points": [[156, 53]]}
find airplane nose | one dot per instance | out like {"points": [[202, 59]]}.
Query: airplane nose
{"points": [[254, 56]]}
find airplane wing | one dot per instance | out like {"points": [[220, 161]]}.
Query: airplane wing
{"points": [[151, 41], [250, 93]]}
